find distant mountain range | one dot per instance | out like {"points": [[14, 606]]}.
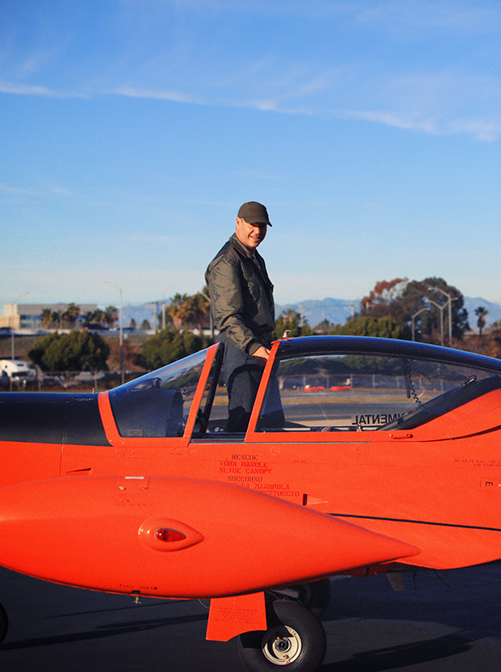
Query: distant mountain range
{"points": [[336, 311]]}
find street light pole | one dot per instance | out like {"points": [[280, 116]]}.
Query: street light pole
{"points": [[449, 302], [120, 331], [423, 310], [441, 309]]}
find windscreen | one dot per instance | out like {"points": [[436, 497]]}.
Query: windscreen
{"points": [[367, 392], [158, 404]]}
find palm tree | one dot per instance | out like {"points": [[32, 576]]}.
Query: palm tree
{"points": [[110, 316], [88, 316], [199, 309], [46, 317], [177, 310], [188, 311], [55, 318], [70, 314], [98, 316], [481, 312]]}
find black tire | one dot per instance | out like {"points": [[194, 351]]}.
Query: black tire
{"points": [[4, 623], [295, 637]]}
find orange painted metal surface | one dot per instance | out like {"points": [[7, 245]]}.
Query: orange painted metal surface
{"points": [[231, 616], [22, 462], [410, 485], [260, 541], [219, 516]]}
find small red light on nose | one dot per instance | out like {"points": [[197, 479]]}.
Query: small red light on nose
{"points": [[164, 534]]}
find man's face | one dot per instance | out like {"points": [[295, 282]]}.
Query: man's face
{"points": [[250, 235]]}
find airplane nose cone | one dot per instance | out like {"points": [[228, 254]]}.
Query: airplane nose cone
{"points": [[175, 537]]}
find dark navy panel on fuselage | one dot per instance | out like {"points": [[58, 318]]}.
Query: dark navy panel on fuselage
{"points": [[72, 419]]}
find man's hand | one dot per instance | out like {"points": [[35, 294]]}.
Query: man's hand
{"points": [[261, 355]]}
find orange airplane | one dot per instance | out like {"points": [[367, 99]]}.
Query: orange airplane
{"points": [[362, 456]]}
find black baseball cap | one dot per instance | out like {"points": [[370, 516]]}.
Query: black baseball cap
{"points": [[254, 213]]}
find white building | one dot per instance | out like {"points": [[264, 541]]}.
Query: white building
{"points": [[29, 315]]}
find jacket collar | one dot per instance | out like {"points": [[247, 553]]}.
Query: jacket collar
{"points": [[241, 247], [259, 266]]}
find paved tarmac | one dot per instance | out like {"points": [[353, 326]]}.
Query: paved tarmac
{"points": [[449, 624]]}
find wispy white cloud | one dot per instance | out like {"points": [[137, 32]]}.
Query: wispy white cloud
{"points": [[194, 66], [47, 188], [38, 60], [25, 89], [57, 189], [173, 96], [482, 129], [413, 103], [7, 189], [431, 119], [36, 90], [391, 119]]}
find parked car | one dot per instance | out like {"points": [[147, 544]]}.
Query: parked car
{"points": [[17, 372]]}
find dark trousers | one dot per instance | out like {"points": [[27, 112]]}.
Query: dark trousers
{"points": [[242, 375]]}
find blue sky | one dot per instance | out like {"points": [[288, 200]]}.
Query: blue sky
{"points": [[132, 130]]}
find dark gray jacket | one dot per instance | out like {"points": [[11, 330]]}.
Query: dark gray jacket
{"points": [[241, 296]]}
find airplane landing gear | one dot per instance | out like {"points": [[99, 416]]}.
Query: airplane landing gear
{"points": [[4, 623], [295, 638], [315, 596]]}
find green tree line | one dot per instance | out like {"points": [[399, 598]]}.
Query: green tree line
{"points": [[76, 351], [392, 309]]}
